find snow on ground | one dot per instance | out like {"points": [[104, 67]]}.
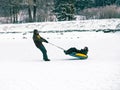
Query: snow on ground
{"points": [[22, 67], [66, 25]]}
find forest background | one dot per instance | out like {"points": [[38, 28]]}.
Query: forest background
{"points": [[24, 11]]}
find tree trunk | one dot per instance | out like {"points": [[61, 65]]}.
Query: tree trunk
{"points": [[30, 14], [34, 11]]}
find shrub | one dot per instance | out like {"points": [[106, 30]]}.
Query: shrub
{"points": [[111, 11]]}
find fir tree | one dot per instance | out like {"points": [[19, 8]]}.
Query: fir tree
{"points": [[117, 2], [82, 4], [64, 9]]}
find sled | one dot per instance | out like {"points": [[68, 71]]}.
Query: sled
{"points": [[74, 54], [79, 55]]}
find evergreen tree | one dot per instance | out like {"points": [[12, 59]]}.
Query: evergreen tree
{"points": [[104, 2], [117, 2], [64, 9], [99, 2], [82, 4], [109, 2]]}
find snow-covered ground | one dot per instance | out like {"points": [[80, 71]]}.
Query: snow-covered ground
{"points": [[22, 67], [89, 25]]}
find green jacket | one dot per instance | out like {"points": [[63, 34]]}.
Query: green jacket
{"points": [[38, 40]]}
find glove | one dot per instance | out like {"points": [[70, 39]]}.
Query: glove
{"points": [[46, 41], [65, 52]]}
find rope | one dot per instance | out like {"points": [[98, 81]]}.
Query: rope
{"points": [[56, 46]]}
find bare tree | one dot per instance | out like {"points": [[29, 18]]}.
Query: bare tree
{"points": [[14, 9], [32, 8]]}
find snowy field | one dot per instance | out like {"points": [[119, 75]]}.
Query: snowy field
{"points": [[22, 67]]}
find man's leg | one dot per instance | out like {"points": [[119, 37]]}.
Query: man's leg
{"points": [[44, 52]]}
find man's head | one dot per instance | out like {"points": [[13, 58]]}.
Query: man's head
{"points": [[36, 31]]}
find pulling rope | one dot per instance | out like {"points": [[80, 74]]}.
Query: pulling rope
{"points": [[57, 46]]}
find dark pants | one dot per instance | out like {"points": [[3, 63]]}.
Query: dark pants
{"points": [[69, 51], [44, 52]]}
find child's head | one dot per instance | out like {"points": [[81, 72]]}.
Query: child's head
{"points": [[86, 48]]}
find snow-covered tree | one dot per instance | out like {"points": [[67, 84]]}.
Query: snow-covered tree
{"points": [[64, 9]]}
